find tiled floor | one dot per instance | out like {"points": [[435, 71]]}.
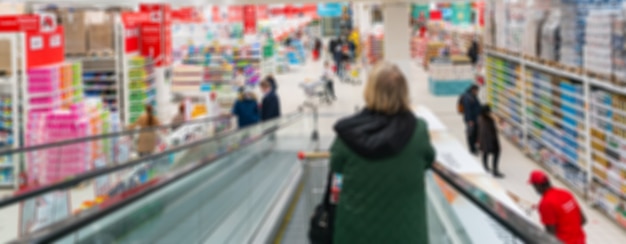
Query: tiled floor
{"points": [[514, 164]]}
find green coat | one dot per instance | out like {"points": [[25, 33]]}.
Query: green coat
{"points": [[383, 200]]}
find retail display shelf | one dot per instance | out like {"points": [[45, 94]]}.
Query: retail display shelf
{"points": [[552, 105]]}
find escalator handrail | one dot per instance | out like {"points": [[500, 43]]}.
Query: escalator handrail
{"points": [[27, 149], [520, 227], [77, 179], [56, 231]]}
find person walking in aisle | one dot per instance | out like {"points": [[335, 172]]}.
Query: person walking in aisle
{"points": [[246, 108], [179, 119], [270, 106], [474, 51], [270, 78], [488, 141], [559, 211], [382, 154], [327, 77], [147, 140], [471, 110], [317, 48]]}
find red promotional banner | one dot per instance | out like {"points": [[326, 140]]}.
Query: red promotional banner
{"points": [[131, 39], [310, 10], [235, 13], [249, 19], [16, 23], [216, 14], [262, 12], [186, 15], [45, 48], [156, 35], [151, 45], [134, 18]]}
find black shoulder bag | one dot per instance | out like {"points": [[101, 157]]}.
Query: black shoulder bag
{"points": [[322, 221]]}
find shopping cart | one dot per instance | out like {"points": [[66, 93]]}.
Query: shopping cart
{"points": [[316, 92], [315, 169]]}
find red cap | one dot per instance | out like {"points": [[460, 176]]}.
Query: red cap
{"points": [[537, 177]]}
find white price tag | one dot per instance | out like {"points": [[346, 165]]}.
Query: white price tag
{"points": [[36, 43], [55, 41]]}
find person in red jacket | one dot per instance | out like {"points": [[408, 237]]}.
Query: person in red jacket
{"points": [[559, 211]]}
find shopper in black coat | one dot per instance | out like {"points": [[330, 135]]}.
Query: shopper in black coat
{"points": [[471, 110], [488, 140], [270, 106]]}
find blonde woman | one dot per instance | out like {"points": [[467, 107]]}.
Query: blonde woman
{"points": [[382, 154]]}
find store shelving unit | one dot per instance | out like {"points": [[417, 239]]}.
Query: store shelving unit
{"points": [[574, 124], [139, 85], [100, 80], [503, 79], [8, 131], [554, 121]]}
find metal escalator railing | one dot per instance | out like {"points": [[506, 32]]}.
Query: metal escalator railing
{"points": [[66, 161], [230, 197], [130, 181]]}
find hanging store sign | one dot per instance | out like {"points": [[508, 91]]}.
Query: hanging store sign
{"points": [[249, 19]]}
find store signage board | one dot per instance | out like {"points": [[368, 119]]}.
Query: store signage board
{"points": [[156, 38], [330, 9], [45, 48], [19, 23], [151, 41]]}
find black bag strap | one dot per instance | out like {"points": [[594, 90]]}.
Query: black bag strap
{"points": [[329, 183]]}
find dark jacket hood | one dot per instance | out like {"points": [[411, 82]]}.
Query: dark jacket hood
{"points": [[374, 135]]}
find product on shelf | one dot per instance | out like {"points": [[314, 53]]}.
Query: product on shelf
{"points": [[598, 48], [503, 95], [141, 89], [7, 136], [608, 141], [554, 120], [374, 48], [100, 81]]}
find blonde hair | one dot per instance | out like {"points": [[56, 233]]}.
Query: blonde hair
{"points": [[386, 90]]}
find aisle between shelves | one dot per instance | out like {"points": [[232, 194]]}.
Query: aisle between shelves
{"points": [[572, 124]]}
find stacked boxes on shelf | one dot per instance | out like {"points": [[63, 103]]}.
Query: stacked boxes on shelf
{"points": [[572, 31], [554, 123], [7, 137], [608, 141], [43, 97], [503, 86], [374, 47], [249, 59], [141, 87], [65, 161], [618, 49], [187, 78], [598, 50], [71, 83], [100, 81], [582, 21]]}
